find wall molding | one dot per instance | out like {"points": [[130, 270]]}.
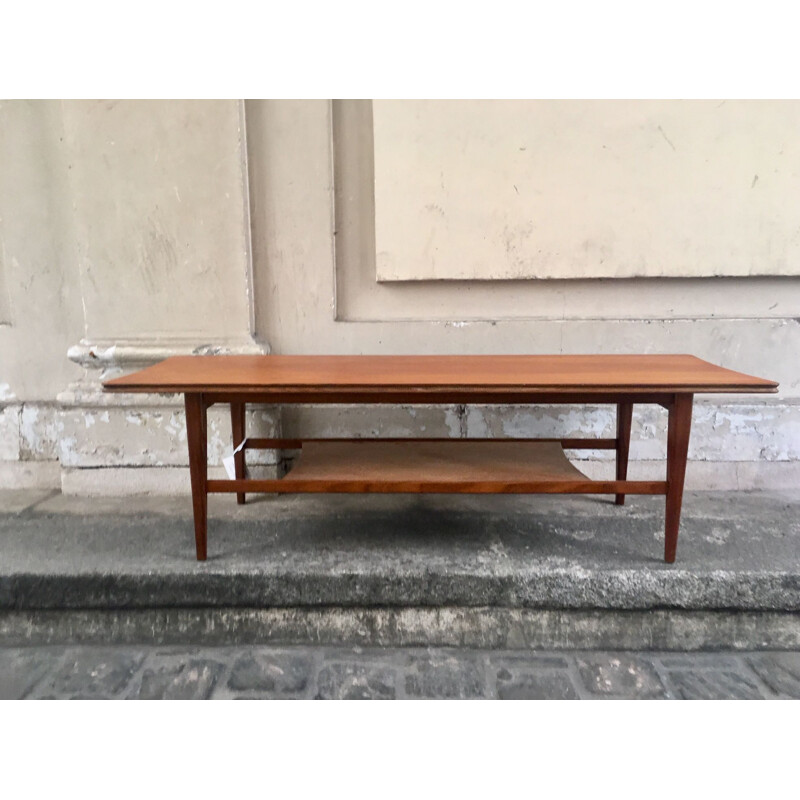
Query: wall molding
{"points": [[127, 353], [360, 297]]}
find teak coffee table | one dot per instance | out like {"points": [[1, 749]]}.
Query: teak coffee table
{"points": [[439, 465]]}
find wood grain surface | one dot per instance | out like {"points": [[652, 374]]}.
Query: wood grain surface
{"points": [[441, 462], [372, 375]]}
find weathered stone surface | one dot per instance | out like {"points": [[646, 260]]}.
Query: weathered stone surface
{"points": [[483, 628], [535, 661], [190, 680], [353, 673], [445, 677], [713, 684], [680, 661], [145, 436], [508, 572], [517, 679], [15, 501], [22, 668], [38, 432], [780, 671], [356, 682], [734, 446], [265, 672], [620, 675], [721, 432], [510, 552], [9, 432], [91, 673]]}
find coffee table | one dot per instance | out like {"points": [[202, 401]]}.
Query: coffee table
{"points": [[439, 465]]}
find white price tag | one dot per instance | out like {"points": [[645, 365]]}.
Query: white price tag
{"points": [[229, 463]]}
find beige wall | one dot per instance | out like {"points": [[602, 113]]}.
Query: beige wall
{"points": [[160, 222], [313, 296], [133, 230], [37, 250], [488, 189], [125, 239]]}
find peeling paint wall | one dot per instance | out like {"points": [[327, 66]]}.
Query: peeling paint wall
{"points": [[149, 437], [131, 231], [125, 239]]}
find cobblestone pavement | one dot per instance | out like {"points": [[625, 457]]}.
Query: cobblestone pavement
{"points": [[366, 673]]}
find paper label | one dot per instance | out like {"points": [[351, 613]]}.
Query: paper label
{"points": [[229, 463]]}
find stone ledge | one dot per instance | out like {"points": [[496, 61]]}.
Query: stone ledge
{"points": [[737, 553], [30, 475], [132, 353], [482, 628]]}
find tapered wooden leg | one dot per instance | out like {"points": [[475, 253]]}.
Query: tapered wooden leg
{"points": [[624, 417], [237, 426], [196, 435], [680, 426]]}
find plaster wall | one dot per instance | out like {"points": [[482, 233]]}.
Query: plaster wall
{"points": [[37, 254], [133, 230], [125, 239], [593, 188], [160, 220], [313, 193]]}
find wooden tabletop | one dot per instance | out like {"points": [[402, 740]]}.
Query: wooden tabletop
{"points": [[531, 374]]}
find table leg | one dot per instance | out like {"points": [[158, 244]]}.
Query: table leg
{"points": [[237, 426], [624, 418], [679, 428], [196, 435]]}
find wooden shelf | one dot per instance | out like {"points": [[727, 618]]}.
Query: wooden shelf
{"points": [[459, 466], [443, 464]]}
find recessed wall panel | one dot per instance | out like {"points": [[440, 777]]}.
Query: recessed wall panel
{"points": [[493, 190]]}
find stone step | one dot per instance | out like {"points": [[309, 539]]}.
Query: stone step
{"points": [[479, 571]]}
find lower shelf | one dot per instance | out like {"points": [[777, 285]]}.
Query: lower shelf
{"points": [[460, 462], [454, 467]]}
